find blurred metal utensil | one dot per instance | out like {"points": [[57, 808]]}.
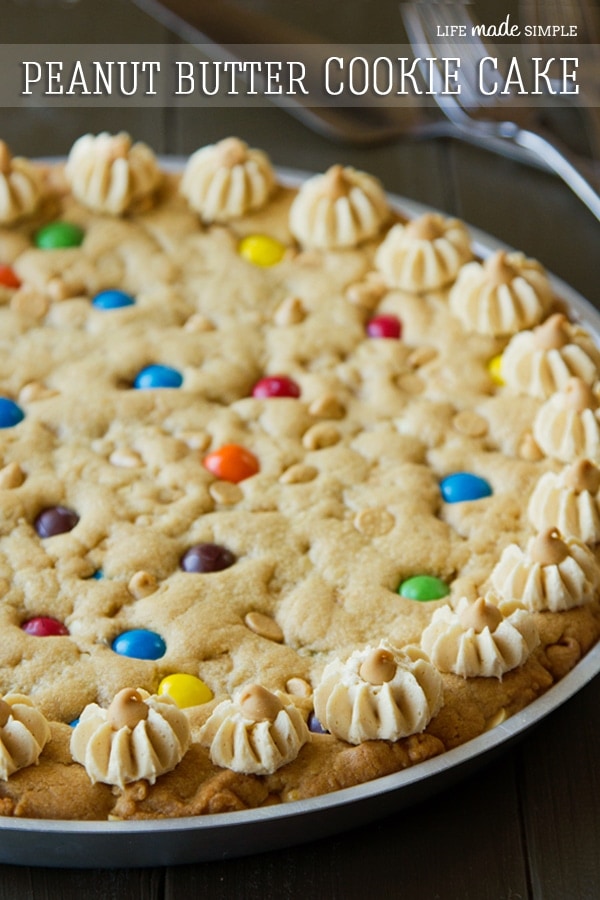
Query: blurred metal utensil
{"points": [[429, 28]]}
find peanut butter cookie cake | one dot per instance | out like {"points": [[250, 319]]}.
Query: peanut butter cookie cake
{"points": [[295, 492]]}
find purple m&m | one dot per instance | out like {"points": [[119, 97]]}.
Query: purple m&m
{"points": [[55, 520], [314, 725], [10, 413], [112, 299], [139, 644], [464, 486], [207, 558], [157, 376]]}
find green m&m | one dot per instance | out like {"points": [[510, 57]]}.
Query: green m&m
{"points": [[424, 588], [57, 235]]}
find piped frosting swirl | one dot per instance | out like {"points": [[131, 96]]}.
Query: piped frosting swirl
{"points": [[568, 501], [425, 254], [501, 296], [226, 180], [21, 188], [566, 426], [24, 733], [339, 209], [475, 639], [256, 732], [541, 362], [552, 574], [110, 174], [380, 693], [138, 736]]}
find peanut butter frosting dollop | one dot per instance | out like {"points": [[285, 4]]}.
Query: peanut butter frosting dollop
{"points": [[24, 732], [138, 736], [425, 254], [476, 639], [21, 187], [505, 294], [552, 574], [110, 174], [541, 362], [338, 209], [226, 180], [380, 693], [569, 501], [256, 732], [566, 426]]}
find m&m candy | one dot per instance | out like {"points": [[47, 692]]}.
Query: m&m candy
{"points": [[55, 520], [384, 326], [58, 235], [186, 690], [231, 462], [464, 486], [9, 278], [112, 299], [276, 386], [10, 413], [494, 368], [139, 644], [44, 626], [314, 725], [261, 250], [207, 558], [423, 588], [157, 376]]}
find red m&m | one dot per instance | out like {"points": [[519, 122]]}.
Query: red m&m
{"points": [[276, 386], [384, 326], [44, 626]]}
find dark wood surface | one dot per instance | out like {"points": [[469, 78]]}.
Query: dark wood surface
{"points": [[527, 825]]}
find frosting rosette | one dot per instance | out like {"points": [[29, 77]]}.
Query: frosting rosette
{"points": [[20, 187], [226, 180], [339, 209], [550, 574], [110, 174], [566, 426], [477, 640], [380, 693], [541, 362], [568, 501], [138, 736], [505, 294], [256, 732], [24, 732], [425, 254]]}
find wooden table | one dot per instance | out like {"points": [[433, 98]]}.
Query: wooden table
{"points": [[528, 824]]}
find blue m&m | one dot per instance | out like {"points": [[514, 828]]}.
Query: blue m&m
{"points": [[112, 299], [139, 644], [464, 486], [157, 376], [10, 413]]}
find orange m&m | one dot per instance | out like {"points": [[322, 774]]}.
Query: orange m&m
{"points": [[8, 277], [231, 462]]}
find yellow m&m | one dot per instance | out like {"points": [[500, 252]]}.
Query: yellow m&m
{"points": [[495, 369], [261, 250], [185, 690]]}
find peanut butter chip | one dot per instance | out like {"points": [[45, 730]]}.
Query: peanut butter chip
{"points": [[29, 302], [335, 183], [498, 270], [35, 390], [11, 476], [226, 493], [320, 436], [411, 383], [195, 440], [579, 395], [197, 323], [583, 475], [373, 522], [142, 584], [497, 719], [548, 549], [259, 704], [365, 294], [552, 334], [420, 356], [264, 626], [327, 406], [298, 474], [470, 423], [378, 667], [298, 687], [231, 152], [126, 710], [290, 312], [529, 449], [5, 158], [481, 615], [424, 228], [125, 458], [5, 712]]}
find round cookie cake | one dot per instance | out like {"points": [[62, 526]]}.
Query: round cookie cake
{"points": [[295, 492]]}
